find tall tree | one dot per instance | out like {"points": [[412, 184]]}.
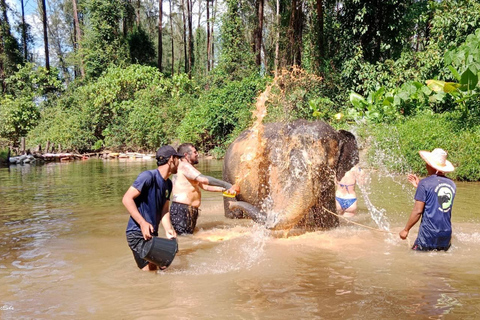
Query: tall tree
{"points": [[172, 42], [78, 36], [277, 40], [236, 60], [160, 42], [24, 32], [185, 55], [59, 30], [103, 43], [212, 37], [9, 50], [320, 46], [258, 32], [45, 34], [208, 35], [190, 36], [295, 33]]}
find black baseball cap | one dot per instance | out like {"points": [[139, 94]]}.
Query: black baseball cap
{"points": [[165, 152]]}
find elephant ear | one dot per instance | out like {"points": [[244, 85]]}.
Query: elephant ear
{"points": [[348, 156]]}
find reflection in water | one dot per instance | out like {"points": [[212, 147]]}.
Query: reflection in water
{"points": [[63, 254]]}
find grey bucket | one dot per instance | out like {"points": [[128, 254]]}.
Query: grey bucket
{"points": [[160, 251]]}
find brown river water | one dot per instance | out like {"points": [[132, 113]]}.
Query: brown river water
{"points": [[64, 255]]}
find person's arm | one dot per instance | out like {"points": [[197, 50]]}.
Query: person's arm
{"points": [[213, 182], [414, 217], [166, 222], [129, 203], [191, 173], [207, 187]]}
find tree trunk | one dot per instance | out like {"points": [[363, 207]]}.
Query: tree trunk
{"points": [[78, 36], [185, 56], [24, 32], [321, 48], [295, 34], [190, 38], [208, 35], [212, 42], [45, 35], [139, 6], [199, 13], [277, 40], [3, 21], [160, 49], [171, 30], [258, 32]]}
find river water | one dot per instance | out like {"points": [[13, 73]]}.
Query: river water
{"points": [[64, 255]]}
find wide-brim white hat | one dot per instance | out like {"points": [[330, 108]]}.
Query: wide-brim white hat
{"points": [[437, 159]]}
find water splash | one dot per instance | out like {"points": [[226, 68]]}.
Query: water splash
{"points": [[240, 248]]}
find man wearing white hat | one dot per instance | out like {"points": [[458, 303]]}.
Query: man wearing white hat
{"points": [[433, 202]]}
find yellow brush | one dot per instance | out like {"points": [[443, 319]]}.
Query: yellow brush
{"points": [[228, 195]]}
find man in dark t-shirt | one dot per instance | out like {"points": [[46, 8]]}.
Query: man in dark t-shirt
{"points": [[147, 201], [433, 202]]}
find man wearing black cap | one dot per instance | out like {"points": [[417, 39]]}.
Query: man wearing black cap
{"points": [[147, 201]]}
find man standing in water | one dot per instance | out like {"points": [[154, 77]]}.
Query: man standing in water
{"points": [[186, 190], [433, 201], [147, 202]]}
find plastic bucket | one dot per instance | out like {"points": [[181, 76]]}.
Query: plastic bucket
{"points": [[160, 251]]}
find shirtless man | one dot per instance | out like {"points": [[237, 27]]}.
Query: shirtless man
{"points": [[186, 194], [345, 196]]}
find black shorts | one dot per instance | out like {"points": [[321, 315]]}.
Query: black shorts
{"points": [[183, 217], [418, 247], [136, 242]]}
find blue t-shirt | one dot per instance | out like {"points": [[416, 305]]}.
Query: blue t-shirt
{"points": [[437, 192], [154, 193]]}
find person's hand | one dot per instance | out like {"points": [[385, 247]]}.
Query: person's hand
{"points": [[234, 189], [147, 230], [403, 234], [170, 233], [413, 179]]}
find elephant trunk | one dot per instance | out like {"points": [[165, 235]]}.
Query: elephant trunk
{"points": [[249, 209]]}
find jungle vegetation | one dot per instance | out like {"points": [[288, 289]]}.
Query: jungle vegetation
{"points": [[134, 74]]}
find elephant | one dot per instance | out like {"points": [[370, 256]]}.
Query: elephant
{"points": [[286, 174]]}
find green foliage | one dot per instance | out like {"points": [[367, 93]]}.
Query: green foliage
{"points": [[33, 82], [221, 114], [297, 94], [20, 107], [464, 64], [396, 146], [133, 108], [453, 21], [103, 45], [10, 55], [142, 48], [381, 31], [17, 117], [69, 128], [386, 107], [236, 60]]}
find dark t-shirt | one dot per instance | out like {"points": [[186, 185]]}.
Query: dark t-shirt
{"points": [[154, 193], [437, 192]]}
